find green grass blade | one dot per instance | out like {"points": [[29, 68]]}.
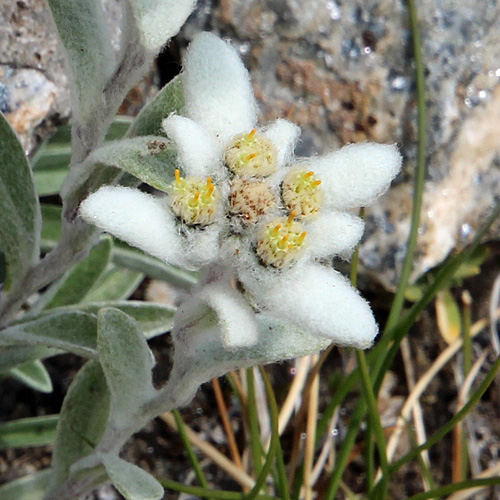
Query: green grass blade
{"points": [[442, 279], [203, 492], [459, 416], [452, 488], [420, 173], [273, 411], [373, 415], [273, 446], [253, 423], [189, 449]]}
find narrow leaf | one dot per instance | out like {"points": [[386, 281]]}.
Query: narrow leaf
{"points": [[82, 421], [78, 281], [51, 226], [21, 220], [132, 258], [131, 481], [71, 331], [34, 375], [127, 362], [36, 431], [170, 99], [152, 319], [83, 31], [114, 284], [27, 488], [152, 159], [12, 356], [51, 162]]}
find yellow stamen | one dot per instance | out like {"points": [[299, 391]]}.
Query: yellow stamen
{"points": [[209, 181], [316, 183], [251, 156], [282, 244], [302, 237], [276, 230], [309, 174], [292, 215], [177, 176], [252, 133]]}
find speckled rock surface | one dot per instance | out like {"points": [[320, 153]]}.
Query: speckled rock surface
{"points": [[343, 71], [33, 82]]}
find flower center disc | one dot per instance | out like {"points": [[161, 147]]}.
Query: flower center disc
{"points": [[194, 200], [281, 242], [301, 191], [250, 199], [251, 155]]}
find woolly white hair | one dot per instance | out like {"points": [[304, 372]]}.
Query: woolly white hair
{"points": [[236, 318], [217, 88], [357, 174], [137, 218], [317, 299], [160, 21], [333, 233], [284, 135], [198, 151]]}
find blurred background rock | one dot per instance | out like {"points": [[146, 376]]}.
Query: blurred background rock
{"points": [[343, 71]]}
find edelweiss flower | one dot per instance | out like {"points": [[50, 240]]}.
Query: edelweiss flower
{"points": [[261, 223]]}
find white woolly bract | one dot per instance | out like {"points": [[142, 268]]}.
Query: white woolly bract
{"points": [[284, 135], [319, 300], [198, 151], [200, 246], [158, 21], [333, 233], [357, 174], [137, 218], [236, 318], [217, 88]]}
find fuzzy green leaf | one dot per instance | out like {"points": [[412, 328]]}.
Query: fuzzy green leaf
{"points": [[78, 281], [34, 375], [35, 431], [11, 356], [127, 362], [170, 99], [21, 220], [152, 159], [152, 319], [51, 162], [83, 31], [83, 418], [27, 488], [71, 331], [51, 227], [131, 481], [114, 284], [132, 258]]}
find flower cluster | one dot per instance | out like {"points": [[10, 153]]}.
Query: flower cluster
{"points": [[259, 222]]}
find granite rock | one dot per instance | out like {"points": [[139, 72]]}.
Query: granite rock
{"points": [[33, 83]]}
